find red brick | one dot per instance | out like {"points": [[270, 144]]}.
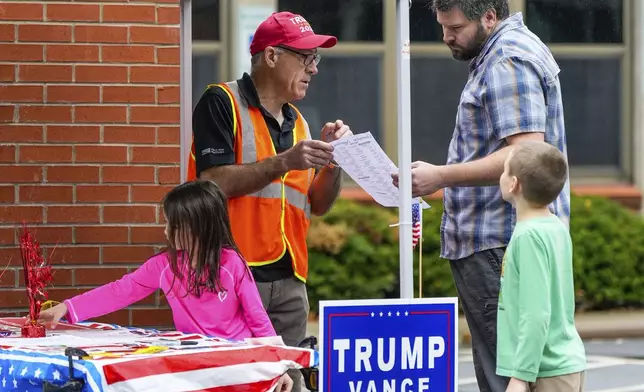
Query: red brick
{"points": [[7, 154], [97, 276], [75, 214], [129, 13], [129, 94], [7, 32], [150, 300], [100, 114], [53, 235], [169, 94], [10, 256], [168, 135], [37, 113], [73, 12], [73, 134], [168, 15], [154, 114], [21, 93], [45, 154], [74, 254], [158, 154], [129, 214], [127, 254], [149, 193], [101, 153], [7, 236], [7, 73], [73, 93], [45, 73], [46, 194], [44, 33], [169, 55], [120, 317], [60, 294], [18, 214], [157, 74], [61, 277], [21, 11], [72, 53], [159, 1], [127, 54], [101, 234], [20, 52], [21, 133], [100, 74], [13, 299], [128, 134], [128, 174], [8, 277], [72, 174], [7, 195], [154, 35], [101, 193], [148, 235], [100, 34], [169, 175], [6, 113], [22, 174], [151, 317]]}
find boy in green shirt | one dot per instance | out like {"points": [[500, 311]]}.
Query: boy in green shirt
{"points": [[537, 343]]}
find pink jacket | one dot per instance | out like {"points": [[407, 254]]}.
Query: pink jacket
{"points": [[236, 314]]}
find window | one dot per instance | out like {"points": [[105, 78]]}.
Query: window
{"points": [[205, 20], [578, 21], [346, 88], [423, 25], [436, 86], [349, 20], [205, 71], [591, 90]]}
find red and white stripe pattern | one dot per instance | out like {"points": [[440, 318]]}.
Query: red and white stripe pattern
{"points": [[416, 223]]}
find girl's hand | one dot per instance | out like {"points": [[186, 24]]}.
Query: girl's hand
{"points": [[285, 384], [53, 315], [517, 385]]}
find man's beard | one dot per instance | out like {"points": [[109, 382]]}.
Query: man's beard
{"points": [[473, 48]]}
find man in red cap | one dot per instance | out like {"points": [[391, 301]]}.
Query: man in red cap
{"points": [[257, 147]]}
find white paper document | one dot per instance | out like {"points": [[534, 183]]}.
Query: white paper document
{"points": [[362, 158]]}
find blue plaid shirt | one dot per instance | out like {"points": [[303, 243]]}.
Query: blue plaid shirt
{"points": [[512, 87]]}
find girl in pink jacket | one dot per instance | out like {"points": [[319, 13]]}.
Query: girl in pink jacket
{"points": [[208, 285]]}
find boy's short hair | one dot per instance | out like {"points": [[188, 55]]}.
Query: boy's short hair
{"points": [[541, 170]]}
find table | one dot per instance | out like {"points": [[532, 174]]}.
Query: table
{"points": [[110, 358]]}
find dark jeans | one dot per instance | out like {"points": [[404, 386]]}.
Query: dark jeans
{"points": [[478, 279]]}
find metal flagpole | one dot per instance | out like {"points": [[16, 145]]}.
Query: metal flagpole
{"points": [[186, 85], [404, 150]]}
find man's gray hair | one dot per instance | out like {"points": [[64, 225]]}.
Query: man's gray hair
{"points": [[473, 9], [256, 59]]}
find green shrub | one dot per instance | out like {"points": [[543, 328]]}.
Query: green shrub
{"points": [[354, 254]]}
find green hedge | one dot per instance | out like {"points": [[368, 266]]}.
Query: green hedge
{"points": [[354, 254]]}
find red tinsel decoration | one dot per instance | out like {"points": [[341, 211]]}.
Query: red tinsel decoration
{"points": [[37, 275]]}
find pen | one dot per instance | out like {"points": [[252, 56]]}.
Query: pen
{"points": [[169, 342]]}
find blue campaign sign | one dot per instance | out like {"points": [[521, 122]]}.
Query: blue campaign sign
{"points": [[389, 345]]}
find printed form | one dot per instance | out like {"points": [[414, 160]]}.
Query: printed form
{"points": [[362, 158]]}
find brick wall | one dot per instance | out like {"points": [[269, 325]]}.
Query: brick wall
{"points": [[89, 140]]}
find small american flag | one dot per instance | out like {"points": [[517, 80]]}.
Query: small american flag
{"points": [[416, 219]]}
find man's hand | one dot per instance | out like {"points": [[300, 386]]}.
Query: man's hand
{"points": [[285, 384], [307, 154], [425, 178], [334, 131], [517, 385]]}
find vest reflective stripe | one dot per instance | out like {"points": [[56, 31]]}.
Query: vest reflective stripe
{"points": [[293, 196]]}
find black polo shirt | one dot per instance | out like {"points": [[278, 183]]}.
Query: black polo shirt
{"points": [[212, 126]]}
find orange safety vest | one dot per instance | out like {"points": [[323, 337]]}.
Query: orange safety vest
{"points": [[268, 223]]}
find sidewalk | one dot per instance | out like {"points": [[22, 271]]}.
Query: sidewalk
{"points": [[592, 325]]}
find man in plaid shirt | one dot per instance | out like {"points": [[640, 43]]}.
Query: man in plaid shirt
{"points": [[512, 95]]}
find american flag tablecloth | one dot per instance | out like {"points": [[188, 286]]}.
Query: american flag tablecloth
{"points": [[140, 362]]}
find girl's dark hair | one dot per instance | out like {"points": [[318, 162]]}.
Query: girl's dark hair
{"points": [[198, 225]]}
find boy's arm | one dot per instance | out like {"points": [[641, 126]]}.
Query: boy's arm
{"points": [[534, 305], [116, 295]]}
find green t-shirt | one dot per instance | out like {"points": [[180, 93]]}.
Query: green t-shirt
{"points": [[536, 334]]}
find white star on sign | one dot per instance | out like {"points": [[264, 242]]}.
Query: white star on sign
{"points": [[15, 383], [23, 372], [4, 382], [56, 375], [389, 314], [406, 313], [372, 314], [37, 373], [397, 313], [11, 370], [380, 314]]}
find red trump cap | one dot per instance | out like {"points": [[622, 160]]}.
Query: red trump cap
{"points": [[292, 30]]}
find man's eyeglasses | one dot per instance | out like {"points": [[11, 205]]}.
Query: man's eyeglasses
{"points": [[309, 58]]}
